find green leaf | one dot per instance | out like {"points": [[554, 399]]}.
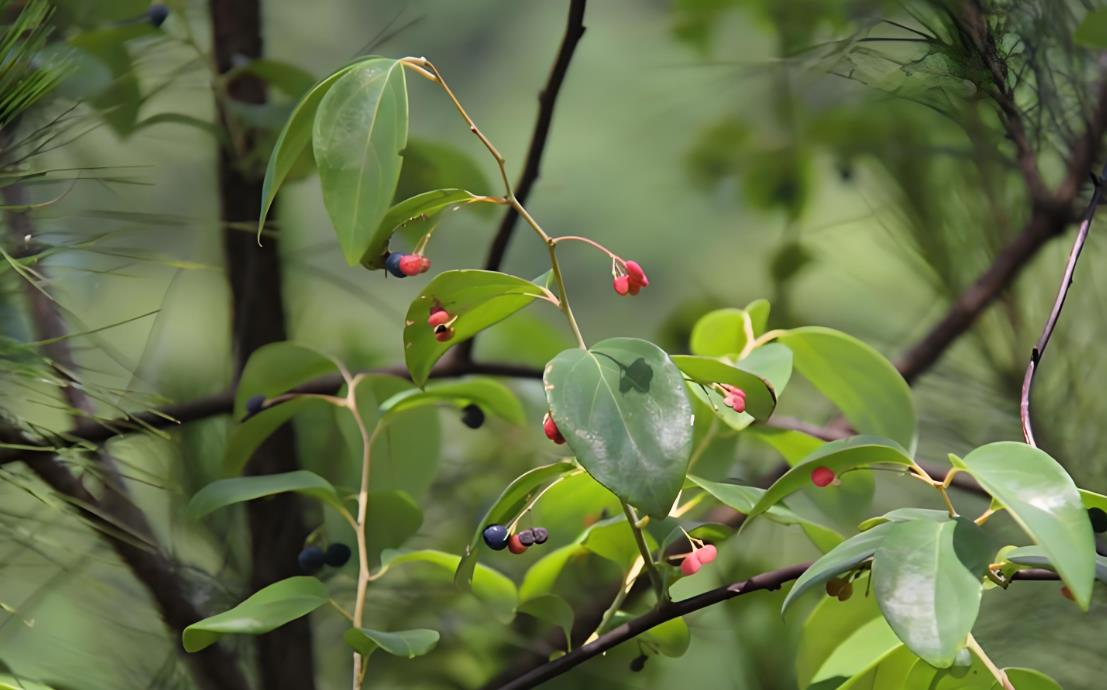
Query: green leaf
{"points": [[927, 579], [671, 638], [359, 133], [478, 299], [722, 333], [225, 492], [772, 362], [857, 379], [1028, 679], [247, 436], [409, 643], [9, 682], [391, 518], [490, 394], [491, 587], [553, 610], [904, 515], [294, 138], [974, 675], [743, 498], [119, 101], [839, 456], [434, 164], [760, 397], [1035, 556], [278, 368], [507, 506], [622, 408], [1092, 30], [1043, 499], [1091, 499], [417, 208], [887, 671], [842, 558], [285, 77], [267, 609]]}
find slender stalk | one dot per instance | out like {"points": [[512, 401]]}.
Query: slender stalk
{"points": [[359, 527], [620, 597], [647, 558], [996, 671], [585, 240], [534, 499]]}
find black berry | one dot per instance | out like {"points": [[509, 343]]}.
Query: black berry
{"points": [[392, 264], [1099, 519], [255, 404], [157, 14], [526, 537], [541, 534], [472, 416], [638, 663], [337, 555], [311, 560], [496, 537]]}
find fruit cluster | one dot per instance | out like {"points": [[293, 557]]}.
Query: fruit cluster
{"points": [[312, 558], [442, 322], [403, 265], [839, 587], [733, 397], [498, 538], [630, 279], [701, 555]]}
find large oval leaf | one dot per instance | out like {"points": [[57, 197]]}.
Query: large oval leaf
{"points": [[278, 368], [842, 558], [247, 436], [478, 299], [760, 397], [622, 408], [227, 492], [1043, 499], [887, 671], [1027, 679], [927, 579], [409, 643], [860, 381], [391, 518], [268, 608], [724, 332], [359, 133], [490, 394], [419, 207], [491, 587]]}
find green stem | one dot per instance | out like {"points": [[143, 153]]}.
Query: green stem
{"points": [[620, 597], [647, 559], [996, 672]]}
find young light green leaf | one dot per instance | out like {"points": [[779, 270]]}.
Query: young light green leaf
{"points": [[419, 207], [772, 362], [478, 299], [553, 610], [760, 397], [903, 515], [927, 579], [725, 332], [622, 408], [491, 587], [857, 379], [842, 558], [973, 675], [1027, 679], [409, 643], [267, 609], [278, 368], [1043, 499], [359, 133], [225, 492], [9, 682], [247, 436], [490, 394], [889, 670]]}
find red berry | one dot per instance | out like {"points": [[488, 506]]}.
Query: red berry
{"points": [[413, 264], [514, 545], [438, 317], [442, 333], [551, 430], [636, 274], [622, 285], [707, 553], [735, 402], [822, 476], [690, 565]]}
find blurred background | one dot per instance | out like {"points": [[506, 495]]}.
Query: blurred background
{"points": [[738, 149]]}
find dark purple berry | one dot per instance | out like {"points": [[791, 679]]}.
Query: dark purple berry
{"points": [[337, 555], [496, 537], [526, 537], [1099, 520], [541, 534], [311, 560], [472, 416], [255, 404], [639, 663], [157, 14], [392, 264]]}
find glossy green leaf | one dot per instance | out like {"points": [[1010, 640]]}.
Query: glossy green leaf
{"points": [[406, 453], [887, 671], [492, 396], [1027, 679], [743, 498], [294, 138], [420, 207], [409, 643], [9, 682], [435, 165], [246, 437], [671, 638], [494, 589], [839, 456], [553, 610], [1092, 30], [903, 515], [842, 558], [1043, 499], [722, 333], [1035, 556], [622, 408], [225, 492], [359, 133], [513, 498], [857, 379], [278, 368], [1091, 499], [267, 609], [760, 398], [973, 676], [927, 580], [772, 362], [391, 518], [478, 299]]}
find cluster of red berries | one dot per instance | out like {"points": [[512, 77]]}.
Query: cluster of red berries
{"points": [[442, 323], [733, 397], [551, 430], [404, 265], [701, 555], [839, 587], [497, 538], [630, 279], [823, 476]]}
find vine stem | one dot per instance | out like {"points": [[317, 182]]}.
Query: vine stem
{"points": [[997, 672], [647, 558], [362, 509], [589, 242]]}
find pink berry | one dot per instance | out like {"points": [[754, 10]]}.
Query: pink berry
{"points": [[637, 275], [551, 430], [413, 264], [514, 545], [690, 565], [621, 285], [438, 317], [735, 402], [707, 553], [822, 476]]}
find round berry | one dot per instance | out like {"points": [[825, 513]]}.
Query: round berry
{"points": [[834, 586], [541, 534], [392, 264], [255, 404], [636, 274], [1099, 520], [157, 14], [690, 565], [515, 545], [337, 555], [413, 264], [472, 416], [438, 316], [638, 663], [735, 402], [496, 537], [707, 553], [822, 476], [621, 285], [442, 333], [526, 537], [551, 430], [845, 591], [311, 560]]}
